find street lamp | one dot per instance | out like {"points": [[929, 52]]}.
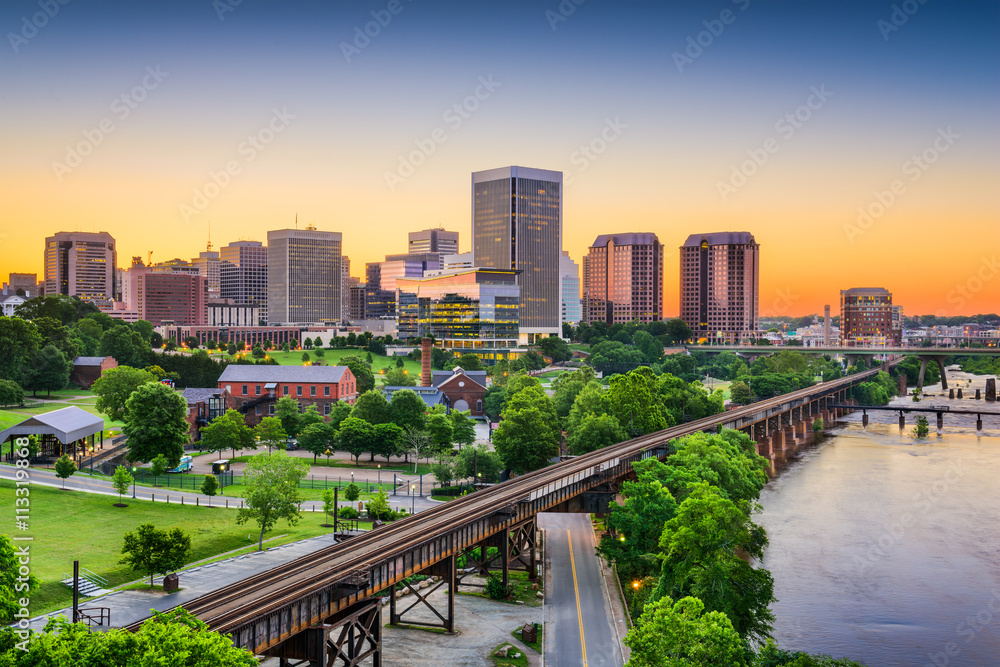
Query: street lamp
{"points": [[327, 452], [133, 482], [379, 475], [413, 499]]}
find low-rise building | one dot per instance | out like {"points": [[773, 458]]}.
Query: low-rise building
{"points": [[86, 370], [257, 388]]}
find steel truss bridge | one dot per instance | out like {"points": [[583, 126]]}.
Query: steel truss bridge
{"points": [[322, 609]]}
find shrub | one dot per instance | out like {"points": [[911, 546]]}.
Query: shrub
{"points": [[347, 512], [495, 589], [352, 492]]}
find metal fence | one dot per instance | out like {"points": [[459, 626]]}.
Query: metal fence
{"points": [[229, 478]]}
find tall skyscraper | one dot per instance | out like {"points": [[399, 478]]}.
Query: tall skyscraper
{"points": [[243, 274], [304, 276], [720, 284], [517, 224], [208, 263], [81, 264], [433, 240], [345, 287], [570, 275], [624, 279], [867, 318]]}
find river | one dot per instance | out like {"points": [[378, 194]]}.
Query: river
{"points": [[886, 549]]}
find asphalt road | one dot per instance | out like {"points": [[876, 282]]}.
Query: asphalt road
{"points": [[578, 619]]}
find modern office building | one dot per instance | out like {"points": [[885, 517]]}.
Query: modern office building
{"points": [[26, 282], [81, 264], [624, 279], [456, 262], [433, 240], [720, 285], [304, 274], [468, 311], [572, 311], [357, 307], [223, 314], [517, 225], [345, 288], [243, 274], [169, 298], [866, 318], [208, 264]]}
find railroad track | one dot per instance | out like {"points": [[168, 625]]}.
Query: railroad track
{"points": [[249, 598]]}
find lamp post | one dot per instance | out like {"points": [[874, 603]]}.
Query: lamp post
{"points": [[379, 475], [327, 452], [413, 499], [133, 482]]}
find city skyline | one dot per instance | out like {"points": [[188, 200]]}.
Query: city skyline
{"points": [[834, 130]]}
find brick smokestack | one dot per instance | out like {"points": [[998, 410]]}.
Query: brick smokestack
{"points": [[425, 362]]}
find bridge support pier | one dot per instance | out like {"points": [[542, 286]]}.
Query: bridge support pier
{"points": [[348, 639], [991, 389], [940, 421], [446, 570], [902, 421], [923, 369], [864, 419]]}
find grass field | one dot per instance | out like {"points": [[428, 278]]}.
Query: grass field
{"points": [[331, 357], [68, 525], [73, 396], [321, 462]]}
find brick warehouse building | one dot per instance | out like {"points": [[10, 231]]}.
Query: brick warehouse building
{"points": [[258, 388]]}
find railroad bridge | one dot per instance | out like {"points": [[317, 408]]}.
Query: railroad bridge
{"points": [[324, 609]]}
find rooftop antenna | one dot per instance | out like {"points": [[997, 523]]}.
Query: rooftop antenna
{"points": [[210, 236], [296, 220]]}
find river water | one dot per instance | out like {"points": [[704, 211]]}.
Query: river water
{"points": [[886, 549]]}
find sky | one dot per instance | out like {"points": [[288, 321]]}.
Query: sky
{"points": [[858, 141]]}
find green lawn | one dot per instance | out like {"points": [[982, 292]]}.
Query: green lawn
{"points": [[331, 357], [321, 462], [68, 525]]}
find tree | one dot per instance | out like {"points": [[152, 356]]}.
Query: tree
{"points": [[121, 480], [372, 407], [555, 348], [307, 343], [319, 352], [463, 428], [682, 634], [443, 471], [12, 585], [309, 416], [399, 362], [378, 507], [270, 433], [49, 370], [115, 386], [155, 423], [651, 348], [633, 402], [398, 377], [376, 346], [494, 401], [155, 551], [528, 435], [596, 432], [921, 429], [231, 349], [157, 466], [356, 437], [64, 468], [479, 463], [19, 340], [677, 330], [329, 505], [10, 393], [352, 492], [305, 357], [739, 392], [286, 410], [272, 491], [257, 352], [406, 409], [418, 442], [567, 386], [54, 332], [386, 440], [361, 370], [126, 346], [702, 548], [440, 429], [317, 438], [230, 431], [442, 359], [210, 485]]}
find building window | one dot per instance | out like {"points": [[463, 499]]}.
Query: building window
{"points": [[286, 390], [479, 406], [256, 390], [327, 408], [256, 410], [312, 390], [298, 390], [326, 390], [229, 388], [244, 390], [270, 409]]}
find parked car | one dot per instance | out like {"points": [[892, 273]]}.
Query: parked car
{"points": [[291, 444]]}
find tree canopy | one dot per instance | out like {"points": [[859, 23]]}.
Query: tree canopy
{"points": [[115, 386], [272, 491], [155, 423]]}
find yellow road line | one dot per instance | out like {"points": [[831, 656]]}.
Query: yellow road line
{"points": [[576, 589]]}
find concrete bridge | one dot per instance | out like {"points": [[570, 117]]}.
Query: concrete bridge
{"points": [[852, 354], [325, 609]]}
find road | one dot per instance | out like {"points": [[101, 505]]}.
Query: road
{"points": [[578, 620]]}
